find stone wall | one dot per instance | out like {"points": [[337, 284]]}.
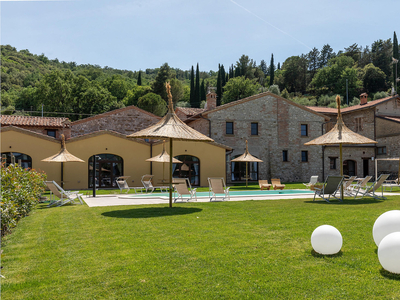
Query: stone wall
{"points": [[125, 120], [279, 126], [386, 128]]}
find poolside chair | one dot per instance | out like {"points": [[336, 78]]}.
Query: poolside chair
{"points": [[217, 186], [123, 185], [313, 181], [330, 187], [183, 188], [64, 196], [277, 185], [391, 184], [346, 185], [148, 184], [264, 184], [353, 189], [370, 190]]}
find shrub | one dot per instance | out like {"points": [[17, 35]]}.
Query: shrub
{"points": [[21, 189]]}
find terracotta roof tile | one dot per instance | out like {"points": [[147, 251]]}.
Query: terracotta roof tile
{"points": [[328, 110], [7, 120], [189, 111]]}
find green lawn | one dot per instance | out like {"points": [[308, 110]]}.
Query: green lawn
{"points": [[219, 250]]}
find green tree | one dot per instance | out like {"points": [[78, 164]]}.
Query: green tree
{"points": [[153, 103], [197, 87], [294, 71], [203, 92], [158, 86], [313, 61], [219, 87], [382, 56], [133, 95], [239, 88], [176, 90], [263, 67], [325, 55], [271, 70], [396, 56], [139, 80], [192, 89], [374, 79]]}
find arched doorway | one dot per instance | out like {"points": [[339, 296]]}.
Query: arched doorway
{"points": [[108, 168], [189, 168], [23, 160], [349, 168], [238, 170]]}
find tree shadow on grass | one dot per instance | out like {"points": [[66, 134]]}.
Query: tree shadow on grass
{"points": [[316, 254], [150, 212], [347, 201]]}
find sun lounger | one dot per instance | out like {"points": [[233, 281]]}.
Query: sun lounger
{"points": [[330, 188], [217, 186], [277, 185], [183, 189], [353, 189], [148, 184], [370, 190], [346, 185], [64, 196], [313, 181], [264, 185], [123, 185]]}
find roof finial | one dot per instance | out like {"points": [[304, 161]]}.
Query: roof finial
{"points": [[63, 141], [338, 105], [170, 103]]}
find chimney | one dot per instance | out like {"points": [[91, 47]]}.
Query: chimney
{"points": [[211, 100], [363, 98]]}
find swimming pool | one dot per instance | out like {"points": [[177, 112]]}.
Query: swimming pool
{"points": [[232, 194]]}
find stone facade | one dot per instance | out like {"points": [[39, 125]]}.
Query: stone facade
{"points": [[378, 120], [279, 128], [126, 120]]}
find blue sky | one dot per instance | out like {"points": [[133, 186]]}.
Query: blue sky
{"points": [[139, 34]]}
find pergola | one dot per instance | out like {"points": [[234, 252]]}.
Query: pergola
{"points": [[385, 159]]}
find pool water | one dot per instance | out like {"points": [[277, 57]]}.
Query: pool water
{"points": [[231, 194]]}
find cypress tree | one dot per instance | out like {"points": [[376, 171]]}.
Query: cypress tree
{"points": [[219, 86], [223, 76], [271, 70], [192, 90], [395, 56], [139, 80], [197, 88], [202, 91]]}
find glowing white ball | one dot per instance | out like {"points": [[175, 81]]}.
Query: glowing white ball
{"points": [[386, 223], [389, 252], [326, 240]]}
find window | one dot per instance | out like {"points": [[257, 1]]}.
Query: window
{"points": [[254, 128], [304, 130], [304, 156], [332, 163], [108, 168], [23, 160], [51, 132], [285, 155], [358, 124], [229, 128], [382, 150]]}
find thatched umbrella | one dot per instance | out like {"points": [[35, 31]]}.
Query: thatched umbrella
{"points": [[163, 158], [340, 134], [246, 157], [63, 156], [171, 127]]}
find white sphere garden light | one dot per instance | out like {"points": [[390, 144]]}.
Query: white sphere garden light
{"points": [[389, 252], [386, 223], [326, 240]]}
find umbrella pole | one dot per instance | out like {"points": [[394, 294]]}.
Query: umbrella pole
{"points": [[341, 168], [246, 174], [62, 175], [170, 172]]}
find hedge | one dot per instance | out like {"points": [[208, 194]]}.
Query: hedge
{"points": [[21, 190]]}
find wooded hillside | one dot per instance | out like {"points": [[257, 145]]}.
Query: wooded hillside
{"points": [[30, 82]]}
